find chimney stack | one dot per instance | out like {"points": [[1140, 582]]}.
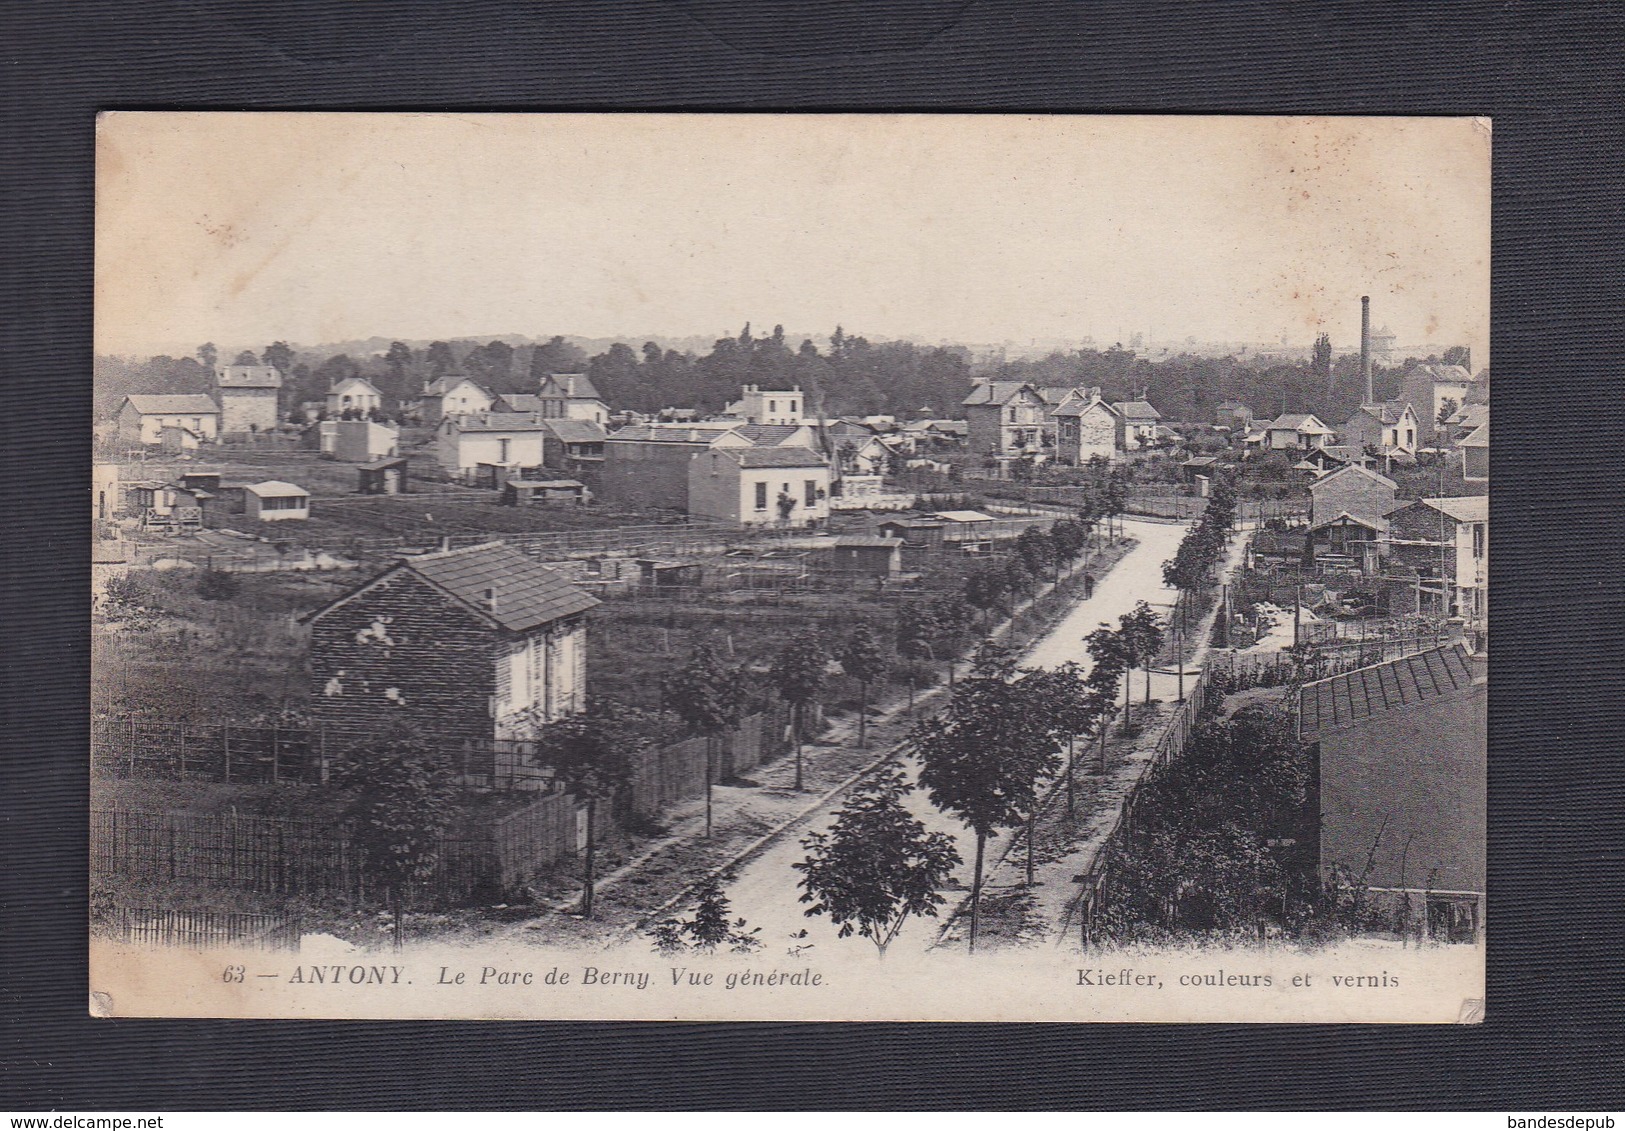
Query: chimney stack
{"points": [[1365, 346]]}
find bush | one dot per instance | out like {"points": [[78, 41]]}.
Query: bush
{"points": [[217, 585]]}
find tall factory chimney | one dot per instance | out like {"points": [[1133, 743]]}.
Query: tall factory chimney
{"points": [[1365, 347]]}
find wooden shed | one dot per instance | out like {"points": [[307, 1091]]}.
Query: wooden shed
{"points": [[875, 557], [383, 477], [544, 492]]}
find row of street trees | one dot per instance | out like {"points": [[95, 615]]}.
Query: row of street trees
{"points": [[1201, 551], [1036, 556]]}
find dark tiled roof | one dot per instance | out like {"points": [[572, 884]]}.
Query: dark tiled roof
{"points": [[996, 392], [578, 431], [775, 457], [767, 435], [526, 595], [667, 433], [576, 385], [1136, 410], [1298, 422], [519, 402], [1368, 692]]}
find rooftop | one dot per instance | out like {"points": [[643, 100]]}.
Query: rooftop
{"points": [[500, 422], [767, 435], [165, 404], [963, 516], [996, 392], [775, 457], [1463, 508], [501, 584], [1136, 410], [247, 377], [577, 431], [276, 489], [1299, 422], [1365, 693]]}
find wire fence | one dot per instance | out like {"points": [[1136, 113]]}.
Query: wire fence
{"points": [[196, 930]]}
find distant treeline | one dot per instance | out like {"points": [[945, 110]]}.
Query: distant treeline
{"points": [[849, 376]]}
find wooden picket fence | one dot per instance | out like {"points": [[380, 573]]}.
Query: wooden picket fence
{"points": [[197, 930]]}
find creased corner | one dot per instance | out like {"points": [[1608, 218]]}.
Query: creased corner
{"points": [[1472, 1011], [101, 1005]]}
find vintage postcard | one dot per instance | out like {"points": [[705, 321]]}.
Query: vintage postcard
{"points": [[807, 567]]}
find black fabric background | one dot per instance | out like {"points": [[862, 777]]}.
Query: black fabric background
{"points": [[1549, 76]]}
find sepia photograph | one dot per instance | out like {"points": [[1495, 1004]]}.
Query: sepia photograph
{"points": [[807, 567]]}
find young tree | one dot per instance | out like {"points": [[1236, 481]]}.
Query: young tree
{"points": [[917, 630], [877, 865], [1144, 632], [979, 758], [591, 753], [710, 925], [865, 661], [708, 696], [1110, 662], [798, 674], [402, 805]]}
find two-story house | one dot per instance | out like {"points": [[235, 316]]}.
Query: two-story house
{"points": [[1296, 432], [1005, 418], [355, 395], [453, 395], [498, 440], [248, 397], [768, 406], [759, 486], [1086, 427], [572, 396], [1348, 516], [1232, 415], [1427, 388], [1387, 429], [1137, 424], [479, 642], [1449, 539]]}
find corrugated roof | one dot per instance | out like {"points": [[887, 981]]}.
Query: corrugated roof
{"points": [[775, 457], [172, 404], [248, 377], [522, 594], [1356, 696]]}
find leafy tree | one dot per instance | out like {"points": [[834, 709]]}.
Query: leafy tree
{"points": [[1035, 552], [592, 755], [279, 355], [1446, 410], [1143, 634], [247, 357], [1458, 355], [208, 355], [441, 360], [708, 696], [877, 865], [710, 925], [865, 661], [1110, 662], [799, 672], [557, 356], [981, 756], [402, 806]]}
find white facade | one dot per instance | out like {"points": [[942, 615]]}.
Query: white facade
{"points": [[774, 406], [354, 393], [461, 449]]}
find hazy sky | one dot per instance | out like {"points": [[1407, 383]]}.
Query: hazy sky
{"points": [[246, 228]]}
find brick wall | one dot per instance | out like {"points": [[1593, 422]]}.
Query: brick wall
{"points": [[403, 634]]}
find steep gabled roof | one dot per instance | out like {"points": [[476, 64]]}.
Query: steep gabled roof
{"points": [[348, 381], [442, 385], [1478, 438], [172, 404], [1355, 470], [1442, 374], [576, 386], [1055, 394], [998, 392], [1388, 412], [491, 580], [1077, 404], [1367, 693]]}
